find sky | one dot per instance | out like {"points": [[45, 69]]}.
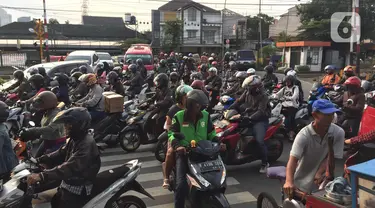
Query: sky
{"points": [[139, 8]]}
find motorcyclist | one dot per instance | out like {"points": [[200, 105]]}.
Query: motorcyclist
{"points": [[162, 67], [172, 59], [348, 72], [141, 68], [226, 57], [353, 102], [51, 134], [63, 92], [174, 82], [190, 64], [250, 72], [331, 78], [47, 79], [204, 71], [37, 83], [94, 100], [78, 161], [115, 83], [210, 60], [78, 89], [199, 85], [298, 84], [184, 122], [135, 82], [83, 69], [254, 106], [21, 85], [236, 90], [204, 58], [230, 73], [289, 95], [269, 79], [196, 76], [186, 76], [180, 98], [215, 83]]}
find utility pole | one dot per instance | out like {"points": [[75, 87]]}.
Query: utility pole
{"points": [[356, 29], [285, 39], [260, 54], [222, 30], [39, 32], [46, 30]]}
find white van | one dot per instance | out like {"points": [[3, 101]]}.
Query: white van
{"points": [[90, 56]]}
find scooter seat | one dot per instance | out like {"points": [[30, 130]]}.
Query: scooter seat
{"points": [[278, 172], [106, 178]]}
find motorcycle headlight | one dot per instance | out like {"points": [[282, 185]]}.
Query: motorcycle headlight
{"points": [[220, 134]]}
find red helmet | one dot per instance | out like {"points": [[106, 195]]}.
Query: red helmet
{"points": [[214, 63], [354, 81]]}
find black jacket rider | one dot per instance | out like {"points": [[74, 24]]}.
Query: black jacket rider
{"points": [[269, 80]]}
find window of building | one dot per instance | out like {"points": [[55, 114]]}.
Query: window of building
{"points": [[192, 14], [313, 56], [192, 33], [209, 36]]}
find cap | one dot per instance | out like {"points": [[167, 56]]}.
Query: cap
{"points": [[324, 106]]}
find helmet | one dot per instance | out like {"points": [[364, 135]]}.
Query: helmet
{"points": [[211, 59], [100, 65], [161, 80], [232, 64], [348, 69], [90, 79], [214, 63], [62, 78], [45, 100], [133, 68], [163, 62], [291, 73], [353, 81], [213, 54], [204, 67], [289, 78], [83, 69], [74, 70], [4, 112], [252, 81], [268, 69], [42, 71], [112, 77], [18, 75], [213, 69], [250, 71], [241, 75], [75, 76], [129, 61], [329, 68], [287, 70], [165, 55], [172, 54], [37, 81], [185, 57], [198, 97], [117, 69], [139, 62], [197, 84], [173, 77], [196, 76], [33, 71], [78, 118], [227, 53], [366, 85], [181, 91], [83, 77], [190, 55]]}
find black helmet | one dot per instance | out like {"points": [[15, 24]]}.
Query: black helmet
{"points": [[33, 71], [62, 78], [163, 62], [37, 81], [83, 69], [45, 100], [181, 91], [4, 112], [42, 71], [139, 62], [18, 75], [289, 78], [112, 77], [173, 77], [117, 69], [287, 70], [78, 118], [133, 68], [76, 75], [74, 70], [198, 97], [161, 81], [204, 67], [268, 69], [196, 76]]}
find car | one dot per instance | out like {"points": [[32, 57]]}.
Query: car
{"points": [[245, 59], [105, 57], [140, 51], [52, 68], [91, 57]]}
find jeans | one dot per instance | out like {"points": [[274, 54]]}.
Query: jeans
{"points": [[181, 183], [96, 116], [259, 130]]}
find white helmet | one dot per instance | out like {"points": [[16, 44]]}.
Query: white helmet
{"points": [[291, 73], [213, 69], [251, 71], [241, 74], [253, 80], [211, 58]]}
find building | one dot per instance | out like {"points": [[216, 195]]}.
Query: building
{"points": [[24, 19], [5, 18], [201, 26], [288, 22], [234, 28]]}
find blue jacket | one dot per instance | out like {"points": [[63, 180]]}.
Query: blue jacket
{"points": [[8, 159]]}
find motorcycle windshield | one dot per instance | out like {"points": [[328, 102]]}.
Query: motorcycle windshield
{"points": [[316, 86]]}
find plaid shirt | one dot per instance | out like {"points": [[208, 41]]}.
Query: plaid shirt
{"points": [[364, 138], [77, 189]]}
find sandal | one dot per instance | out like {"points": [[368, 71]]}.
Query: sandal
{"points": [[166, 184]]}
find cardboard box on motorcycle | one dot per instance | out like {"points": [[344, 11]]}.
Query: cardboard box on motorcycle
{"points": [[113, 103]]}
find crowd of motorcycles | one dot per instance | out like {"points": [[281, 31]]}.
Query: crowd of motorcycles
{"points": [[207, 164]]}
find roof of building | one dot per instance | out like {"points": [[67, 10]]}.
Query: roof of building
{"points": [[20, 30], [96, 20], [174, 5], [228, 12]]}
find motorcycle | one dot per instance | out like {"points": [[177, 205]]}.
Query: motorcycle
{"points": [[108, 188], [224, 103], [234, 132], [20, 147], [206, 176]]}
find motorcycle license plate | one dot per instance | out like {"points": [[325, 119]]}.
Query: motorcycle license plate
{"points": [[210, 166]]}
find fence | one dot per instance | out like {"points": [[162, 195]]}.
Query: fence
{"points": [[13, 59]]}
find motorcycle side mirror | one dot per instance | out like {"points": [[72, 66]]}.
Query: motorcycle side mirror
{"points": [[31, 123], [179, 136], [350, 102]]}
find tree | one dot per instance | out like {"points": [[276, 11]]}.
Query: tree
{"points": [[253, 26], [53, 21], [315, 18], [172, 35], [283, 37], [67, 22], [269, 51], [128, 42]]}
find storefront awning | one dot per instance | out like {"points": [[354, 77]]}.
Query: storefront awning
{"points": [[303, 44]]}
